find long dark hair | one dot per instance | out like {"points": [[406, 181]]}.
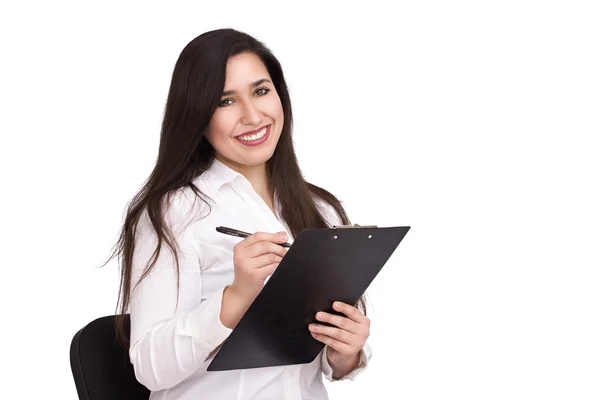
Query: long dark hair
{"points": [[184, 152]]}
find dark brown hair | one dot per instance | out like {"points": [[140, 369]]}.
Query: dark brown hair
{"points": [[184, 153]]}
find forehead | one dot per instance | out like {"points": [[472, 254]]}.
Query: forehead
{"points": [[242, 69]]}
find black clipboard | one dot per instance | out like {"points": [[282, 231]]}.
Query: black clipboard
{"points": [[321, 266]]}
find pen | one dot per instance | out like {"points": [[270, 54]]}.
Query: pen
{"points": [[235, 232]]}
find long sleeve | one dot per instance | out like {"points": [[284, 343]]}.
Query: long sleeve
{"points": [[172, 332], [365, 356]]}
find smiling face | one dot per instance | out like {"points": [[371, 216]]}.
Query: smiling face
{"points": [[246, 126]]}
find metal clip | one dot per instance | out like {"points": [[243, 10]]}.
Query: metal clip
{"points": [[353, 226]]}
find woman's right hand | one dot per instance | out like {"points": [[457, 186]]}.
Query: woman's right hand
{"points": [[254, 259]]}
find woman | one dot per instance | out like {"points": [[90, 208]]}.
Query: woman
{"points": [[225, 158]]}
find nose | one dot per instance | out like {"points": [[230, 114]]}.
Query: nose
{"points": [[250, 114]]}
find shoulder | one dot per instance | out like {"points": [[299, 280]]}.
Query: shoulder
{"points": [[185, 206], [179, 209], [328, 212]]}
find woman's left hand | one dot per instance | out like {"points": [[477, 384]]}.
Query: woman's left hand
{"points": [[346, 339]]}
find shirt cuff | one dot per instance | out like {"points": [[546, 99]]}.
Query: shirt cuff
{"points": [[365, 356], [204, 323]]}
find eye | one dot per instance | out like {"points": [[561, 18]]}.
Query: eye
{"points": [[225, 102], [262, 91]]}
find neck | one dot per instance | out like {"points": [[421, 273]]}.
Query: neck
{"points": [[258, 178]]}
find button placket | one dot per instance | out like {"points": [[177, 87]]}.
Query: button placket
{"points": [[296, 392]]}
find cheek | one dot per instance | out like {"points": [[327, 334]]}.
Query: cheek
{"points": [[276, 109], [219, 128]]}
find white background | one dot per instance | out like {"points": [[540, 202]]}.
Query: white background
{"points": [[474, 122]]}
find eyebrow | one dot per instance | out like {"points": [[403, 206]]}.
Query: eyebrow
{"points": [[252, 85]]}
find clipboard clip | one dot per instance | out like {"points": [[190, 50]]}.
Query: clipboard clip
{"points": [[353, 226]]}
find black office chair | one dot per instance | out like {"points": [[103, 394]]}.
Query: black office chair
{"points": [[100, 365]]}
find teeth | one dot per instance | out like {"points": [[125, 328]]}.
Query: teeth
{"points": [[256, 136]]}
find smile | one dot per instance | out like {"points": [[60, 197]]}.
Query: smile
{"points": [[256, 138]]}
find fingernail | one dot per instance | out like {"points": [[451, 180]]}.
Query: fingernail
{"points": [[282, 236]]}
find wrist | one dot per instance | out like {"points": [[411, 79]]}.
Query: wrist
{"points": [[243, 292], [342, 365], [233, 307]]}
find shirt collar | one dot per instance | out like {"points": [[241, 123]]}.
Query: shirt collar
{"points": [[217, 175]]}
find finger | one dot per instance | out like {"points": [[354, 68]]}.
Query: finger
{"points": [[343, 323], [261, 248], [268, 270], [279, 237], [264, 261], [336, 333], [350, 311], [340, 347]]}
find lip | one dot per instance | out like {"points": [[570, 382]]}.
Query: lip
{"points": [[252, 132], [255, 142]]}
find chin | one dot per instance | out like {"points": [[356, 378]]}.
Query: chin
{"points": [[255, 157], [255, 161]]}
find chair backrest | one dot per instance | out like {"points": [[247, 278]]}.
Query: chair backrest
{"points": [[100, 365]]}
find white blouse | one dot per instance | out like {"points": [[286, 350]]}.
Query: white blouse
{"points": [[171, 336]]}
